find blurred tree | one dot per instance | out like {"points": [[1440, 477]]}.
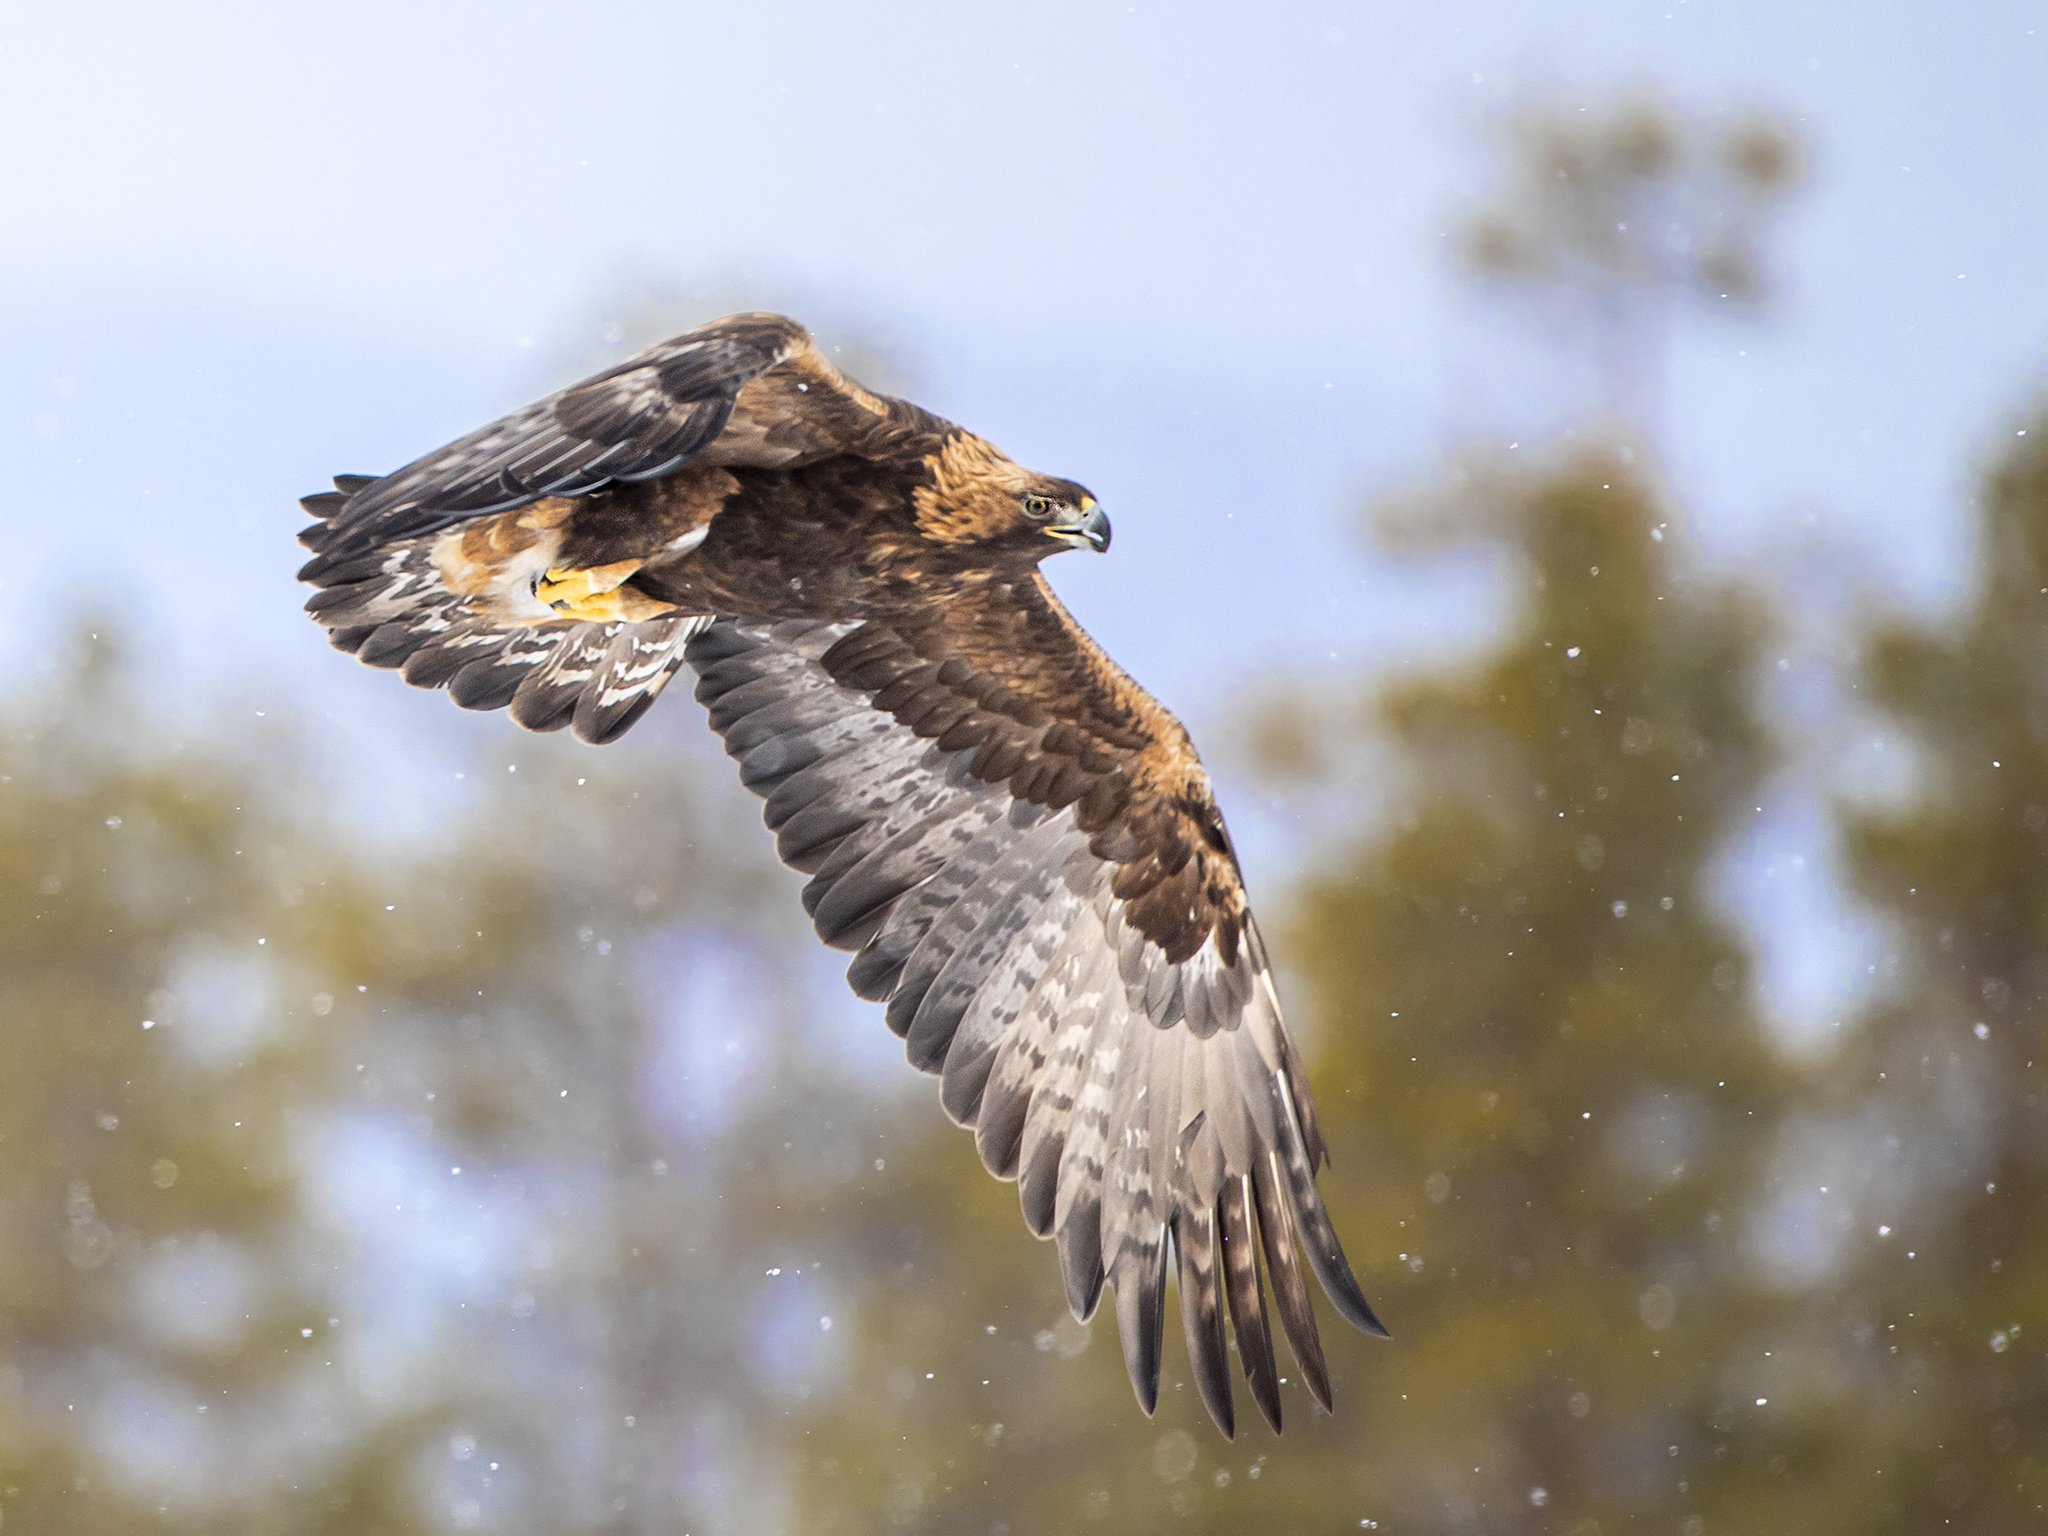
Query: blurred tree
{"points": [[1610, 220], [1553, 1064], [145, 1162], [331, 1195], [1939, 1328]]}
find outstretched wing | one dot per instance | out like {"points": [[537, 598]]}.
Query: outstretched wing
{"points": [[1022, 849], [746, 390]]}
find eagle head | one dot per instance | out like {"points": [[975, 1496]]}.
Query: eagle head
{"points": [[1058, 514], [975, 496]]}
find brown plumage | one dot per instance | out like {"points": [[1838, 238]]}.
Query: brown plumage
{"points": [[1017, 842]]}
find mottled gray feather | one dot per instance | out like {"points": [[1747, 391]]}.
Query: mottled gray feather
{"points": [[1153, 1114]]}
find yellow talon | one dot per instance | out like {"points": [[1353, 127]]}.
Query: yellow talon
{"points": [[565, 590], [597, 595]]}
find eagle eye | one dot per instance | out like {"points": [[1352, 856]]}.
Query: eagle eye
{"points": [[1038, 508]]}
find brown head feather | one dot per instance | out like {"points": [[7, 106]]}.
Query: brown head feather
{"points": [[973, 489]]}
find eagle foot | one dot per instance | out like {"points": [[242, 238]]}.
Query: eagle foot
{"points": [[597, 594]]}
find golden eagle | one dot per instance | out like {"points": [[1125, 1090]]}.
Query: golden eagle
{"points": [[1016, 841]]}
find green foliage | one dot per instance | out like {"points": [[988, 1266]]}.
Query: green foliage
{"points": [[1632, 200], [1539, 1027], [124, 1157], [1606, 223], [230, 1024], [1950, 1310]]}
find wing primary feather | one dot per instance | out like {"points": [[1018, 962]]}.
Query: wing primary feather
{"points": [[996, 1015], [1246, 1295], [947, 915], [390, 645], [1080, 1250], [483, 685], [1140, 1287], [1037, 1188], [904, 860], [1006, 899], [1201, 1313], [1085, 1102], [899, 952], [1318, 1237], [1290, 1283], [1133, 1190], [999, 1118]]}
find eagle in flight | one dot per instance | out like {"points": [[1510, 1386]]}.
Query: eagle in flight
{"points": [[1016, 842]]}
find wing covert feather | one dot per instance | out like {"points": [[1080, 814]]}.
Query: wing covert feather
{"points": [[749, 390]]}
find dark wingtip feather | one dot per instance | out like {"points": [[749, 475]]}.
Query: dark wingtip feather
{"points": [[321, 568], [349, 485], [1201, 1317], [1325, 1254], [355, 569], [872, 976], [999, 1130], [390, 644], [1080, 1256], [600, 725], [543, 708], [485, 684], [1140, 1324], [1246, 1296], [432, 666], [1038, 1185], [964, 1082], [1290, 1284], [328, 599], [1080, 1245]]}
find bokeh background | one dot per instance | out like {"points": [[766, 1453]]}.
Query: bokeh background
{"points": [[1582, 472]]}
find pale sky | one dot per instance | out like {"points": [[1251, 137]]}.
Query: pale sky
{"points": [[1194, 256], [1191, 257]]}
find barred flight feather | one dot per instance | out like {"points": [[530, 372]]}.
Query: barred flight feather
{"points": [[1151, 1112], [392, 608]]}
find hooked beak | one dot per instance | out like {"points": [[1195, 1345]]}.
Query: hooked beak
{"points": [[1089, 530]]}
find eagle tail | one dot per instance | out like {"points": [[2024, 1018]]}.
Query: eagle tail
{"points": [[391, 608]]}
